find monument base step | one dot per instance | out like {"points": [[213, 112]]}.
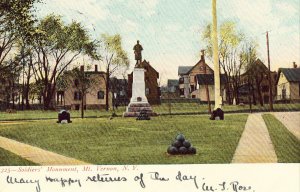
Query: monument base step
{"points": [[139, 105], [134, 109], [139, 109], [135, 114]]}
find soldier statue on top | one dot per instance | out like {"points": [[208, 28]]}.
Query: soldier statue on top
{"points": [[138, 53]]}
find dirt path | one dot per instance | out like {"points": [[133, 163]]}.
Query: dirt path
{"points": [[255, 145], [37, 155]]}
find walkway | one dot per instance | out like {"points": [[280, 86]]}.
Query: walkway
{"points": [[291, 121], [37, 155], [255, 145]]}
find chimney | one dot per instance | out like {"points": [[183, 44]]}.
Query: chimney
{"points": [[202, 55], [96, 68], [82, 68], [294, 65]]}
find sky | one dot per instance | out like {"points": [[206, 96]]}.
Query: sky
{"points": [[170, 31]]}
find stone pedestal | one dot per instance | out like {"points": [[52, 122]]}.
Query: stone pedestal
{"points": [[138, 101]]}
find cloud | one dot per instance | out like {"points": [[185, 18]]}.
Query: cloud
{"points": [[145, 8], [91, 9], [170, 31], [286, 9], [255, 15]]}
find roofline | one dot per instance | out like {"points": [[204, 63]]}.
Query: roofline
{"points": [[278, 74], [199, 63], [151, 66], [183, 73]]}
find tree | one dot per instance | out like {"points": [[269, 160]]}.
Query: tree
{"points": [[16, 19], [114, 58], [56, 46], [36, 90], [9, 78], [256, 71], [229, 43], [85, 84], [248, 57]]}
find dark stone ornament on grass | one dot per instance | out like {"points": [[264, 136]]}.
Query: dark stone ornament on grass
{"points": [[186, 144], [143, 115], [172, 150], [183, 150], [180, 137], [64, 117], [181, 146], [177, 144], [191, 150], [217, 114]]}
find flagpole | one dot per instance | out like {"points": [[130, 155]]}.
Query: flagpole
{"points": [[218, 98]]}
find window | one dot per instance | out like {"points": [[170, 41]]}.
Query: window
{"points": [[283, 93], [173, 89], [265, 88], [181, 80], [147, 91], [77, 95], [76, 82], [181, 91], [192, 88], [100, 95]]}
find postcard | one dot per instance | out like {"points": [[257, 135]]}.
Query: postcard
{"points": [[157, 95]]}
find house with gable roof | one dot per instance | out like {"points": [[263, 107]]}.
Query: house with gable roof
{"points": [[192, 80], [254, 84], [288, 84], [184, 81], [205, 88]]}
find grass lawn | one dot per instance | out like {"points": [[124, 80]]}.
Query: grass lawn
{"points": [[41, 114], [176, 108], [287, 146], [127, 141], [8, 158]]}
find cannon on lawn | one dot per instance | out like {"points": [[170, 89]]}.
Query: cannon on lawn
{"points": [[64, 117]]}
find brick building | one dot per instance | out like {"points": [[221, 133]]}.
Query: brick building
{"points": [[254, 84]]}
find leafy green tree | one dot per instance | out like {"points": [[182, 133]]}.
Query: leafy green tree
{"points": [[114, 58], [36, 90], [9, 77], [56, 46], [85, 84], [16, 20], [256, 71], [230, 43]]}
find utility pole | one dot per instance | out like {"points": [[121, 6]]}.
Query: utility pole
{"points": [[249, 84], [269, 76], [218, 98]]}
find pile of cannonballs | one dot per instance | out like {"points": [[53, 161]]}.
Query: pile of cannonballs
{"points": [[143, 115], [181, 146]]}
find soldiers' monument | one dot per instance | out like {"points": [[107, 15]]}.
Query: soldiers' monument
{"points": [[138, 101]]}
